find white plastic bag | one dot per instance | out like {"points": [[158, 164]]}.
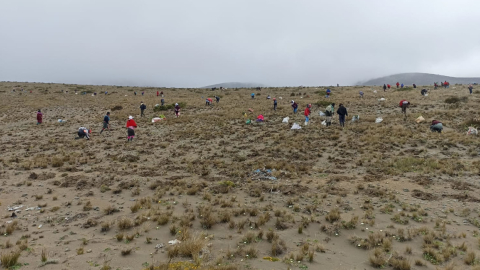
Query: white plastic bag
{"points": [[296, 126], [157, 119], [426, 95], [420, 119], [382, 99], [324, 122], [375, 91], [472, 131], [321, 113], [285, 120], [378, 120], [355, 118]]}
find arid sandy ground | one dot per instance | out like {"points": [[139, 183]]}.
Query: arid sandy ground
{"points": [[391, 195]]}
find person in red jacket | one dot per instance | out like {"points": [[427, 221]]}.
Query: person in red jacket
{"points": [[39, 117], [307, 113], [131, 125], [404, 105], [157, 93], [388, 86], [398, 84]]}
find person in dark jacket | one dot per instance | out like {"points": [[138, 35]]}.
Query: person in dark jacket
{"points": [[384, 87], [162, 101], [177, 110], [274, 104], [83, 133], [106, 122], [423, 92], [217, 98], [470, 88], [342, 112], [143, 107], [414, 86], [294, 106]]}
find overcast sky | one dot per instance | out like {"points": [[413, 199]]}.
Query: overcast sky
{"points": [[200, 42]]}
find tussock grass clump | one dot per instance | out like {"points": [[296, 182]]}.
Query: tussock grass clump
{"points": [[470, 258], [125, 223], [378, 259], [9, 259], [333, 215], [452, 100], [189, 248]]}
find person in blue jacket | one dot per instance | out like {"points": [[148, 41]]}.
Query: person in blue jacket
{"points": [[253, 95], [106, 122]]}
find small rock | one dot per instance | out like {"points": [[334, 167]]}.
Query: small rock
{"points": [[24, 195], [406, 190], [89, 251], [159, 246]]}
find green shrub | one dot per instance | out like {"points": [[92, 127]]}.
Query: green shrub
{"points": [[169, 107]]}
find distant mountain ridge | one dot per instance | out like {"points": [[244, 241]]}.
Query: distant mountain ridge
{"points": [[419, 79], [234, 85]]}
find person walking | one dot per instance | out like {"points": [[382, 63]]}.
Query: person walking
{"points": [[131, 126], [294, 106], [158, 93], [470, 88], [307, 113], [106, 122], [401, 86], [39, 117], [342, 112], [162, 101], [143, 107], [253, 95], [274, 104], [361, 94], [398, 84], [384, 87]]}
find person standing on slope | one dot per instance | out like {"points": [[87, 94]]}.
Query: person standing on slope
{"points": [[177, 110], [384, 87], [274, 104], [294, 106], [398, 84], [39, 117], [131, 126], [342, 112], [307, 113], [143, 107]]}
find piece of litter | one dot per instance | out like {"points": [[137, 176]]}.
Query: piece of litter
{"points": [[174, 242]]}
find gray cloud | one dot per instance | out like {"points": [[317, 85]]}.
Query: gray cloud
{"points": [[275, 42]]}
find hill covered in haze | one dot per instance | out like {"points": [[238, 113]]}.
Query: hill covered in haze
{"points": [[419, 79], [234, 85]]}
